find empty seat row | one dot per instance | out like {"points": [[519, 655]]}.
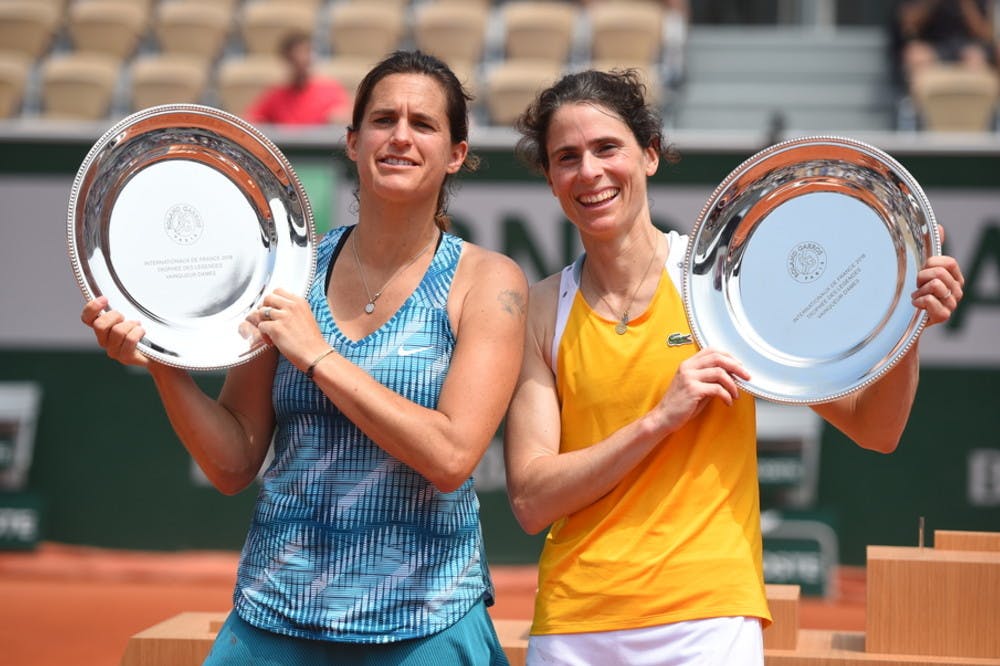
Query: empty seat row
{"points": [[457, 30], [86, 86], [189, 65]]}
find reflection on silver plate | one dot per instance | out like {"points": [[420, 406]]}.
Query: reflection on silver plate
{"points": [[185, 216], [801, 265]]}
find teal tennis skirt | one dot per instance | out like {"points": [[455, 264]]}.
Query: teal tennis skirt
{"points": [[472, 641]]}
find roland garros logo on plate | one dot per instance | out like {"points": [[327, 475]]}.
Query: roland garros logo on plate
{"points": [[806, 261], [183, 224]]}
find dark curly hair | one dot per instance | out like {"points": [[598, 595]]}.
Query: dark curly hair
{"points": [[456, 107], [619, 91]]}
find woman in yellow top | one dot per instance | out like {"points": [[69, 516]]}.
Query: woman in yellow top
{"points": [[635, 446]]}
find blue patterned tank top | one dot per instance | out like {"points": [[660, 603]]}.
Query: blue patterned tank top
{"points": [[346, 542]]}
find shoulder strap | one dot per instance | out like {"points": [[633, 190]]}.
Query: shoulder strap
{"points": [[569, 284], [434, 288], [675, 256]]}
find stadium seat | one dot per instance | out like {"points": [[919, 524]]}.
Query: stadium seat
{"points": [[956, 99], [193, 28], [225, 4], [166, 79], [539, 30], [648, 74], [264, 24], [483, 4], [345, 70], [362, 29], [240, 79], [14, 68], [314, 5], [399, 5], [231, 6], [112, 27], [60, 5], [454, 32], [511, 85], [466, 73], [627, 31], [28, 26], [145, 5], [78, 85]]}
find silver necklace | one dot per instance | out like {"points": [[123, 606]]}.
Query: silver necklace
{"points": [[370, 305], [622, 326]]}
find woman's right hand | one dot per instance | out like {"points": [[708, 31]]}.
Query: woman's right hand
{"points": [[119, 338], [708, 374]]}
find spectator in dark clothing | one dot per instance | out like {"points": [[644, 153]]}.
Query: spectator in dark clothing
{"points": [[928, 32]]}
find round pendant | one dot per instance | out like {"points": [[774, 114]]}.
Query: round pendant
{"points": [[369, 308], [621, 328]]}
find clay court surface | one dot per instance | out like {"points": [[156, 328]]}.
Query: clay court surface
{"points": [[64, 605]]}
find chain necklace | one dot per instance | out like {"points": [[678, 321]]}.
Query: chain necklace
{"points": [[370, 305], [622, 326]]}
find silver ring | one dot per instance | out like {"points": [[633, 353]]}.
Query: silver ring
{"points": [[266, 312], [947, 295]]}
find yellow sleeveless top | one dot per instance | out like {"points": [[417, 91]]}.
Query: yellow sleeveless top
{"points": [[679, 537]]}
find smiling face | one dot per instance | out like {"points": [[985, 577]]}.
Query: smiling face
{"points": [[402, 145], [597, 169]]}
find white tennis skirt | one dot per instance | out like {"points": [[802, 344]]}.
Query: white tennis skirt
{"points": [[720, 641]]}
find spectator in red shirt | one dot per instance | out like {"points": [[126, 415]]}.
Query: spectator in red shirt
{"points": [[306, 99]]}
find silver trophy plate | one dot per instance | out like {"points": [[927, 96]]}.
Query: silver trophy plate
{"points": [[185, 216], [801, 265]]}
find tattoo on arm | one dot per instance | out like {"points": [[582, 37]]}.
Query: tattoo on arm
{"points": [[512, 301]]}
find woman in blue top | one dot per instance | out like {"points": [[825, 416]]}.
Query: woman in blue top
{"points": [[365, 545]]}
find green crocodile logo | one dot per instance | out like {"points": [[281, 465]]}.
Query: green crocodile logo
{"points": [[678, 339]]}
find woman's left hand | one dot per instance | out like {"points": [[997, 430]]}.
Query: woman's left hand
{"points": [[286, 320], [939, 287]]}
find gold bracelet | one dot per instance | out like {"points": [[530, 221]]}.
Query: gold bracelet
{"points": [[312, 367]]}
